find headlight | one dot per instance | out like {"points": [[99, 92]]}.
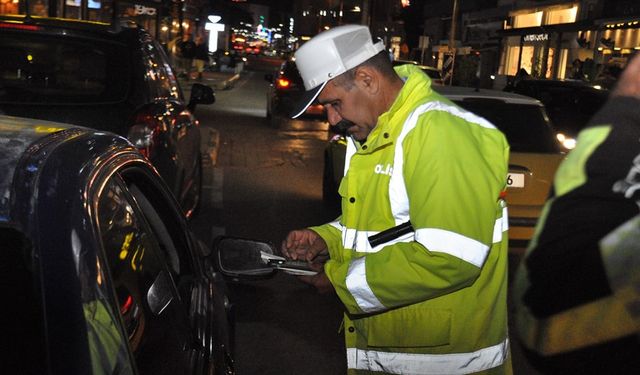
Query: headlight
{"points": [[566, 142]]}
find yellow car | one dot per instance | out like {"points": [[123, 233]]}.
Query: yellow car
{"points": [[535, 153]]}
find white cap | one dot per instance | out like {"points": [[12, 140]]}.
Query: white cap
{"points": [[329, 54]]}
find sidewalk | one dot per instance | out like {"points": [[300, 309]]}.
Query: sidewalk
{"points": [[216, 80]]}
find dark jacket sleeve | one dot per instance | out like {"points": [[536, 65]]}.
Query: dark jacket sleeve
{"points": [[564, 265]]}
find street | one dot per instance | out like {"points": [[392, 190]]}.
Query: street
{"points": [[265, 182]]}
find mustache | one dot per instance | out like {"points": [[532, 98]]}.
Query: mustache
{"points": [[341, 127]]}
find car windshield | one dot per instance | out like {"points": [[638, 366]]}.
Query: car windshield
{"points": [[524, 125], [39, 69], [291, 71]]}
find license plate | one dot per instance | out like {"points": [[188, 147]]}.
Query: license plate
{"points": [[515, 180]]}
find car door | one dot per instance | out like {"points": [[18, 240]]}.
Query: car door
{"points": [[172, 306], [180, 133]]}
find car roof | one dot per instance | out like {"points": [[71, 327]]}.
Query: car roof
{"points": [[427, 67], [572, 83], [402, 62], [16, 135], [70, 26], [463, 93]]}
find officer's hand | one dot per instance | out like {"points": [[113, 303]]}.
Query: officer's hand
{"points": [[305, 244], [320, 281]]}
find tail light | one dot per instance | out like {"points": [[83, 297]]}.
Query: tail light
{"points": [[283, 83], [145, 132], [19, 26], [126, 305]]}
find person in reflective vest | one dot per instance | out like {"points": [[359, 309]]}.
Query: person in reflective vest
{"points": [[431, 299], [577, 291]]}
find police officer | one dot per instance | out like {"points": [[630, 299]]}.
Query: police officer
{"points": [[577, 290], [433, 299]]}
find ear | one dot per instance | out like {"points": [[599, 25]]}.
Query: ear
{"points": [[368, 79]]}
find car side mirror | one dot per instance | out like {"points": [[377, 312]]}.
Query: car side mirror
{"points": [[268, 77], [160, 294], [200, 94], [242, 258]]}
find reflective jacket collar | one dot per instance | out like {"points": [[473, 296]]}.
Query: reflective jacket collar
{"points": [[416, 88]]}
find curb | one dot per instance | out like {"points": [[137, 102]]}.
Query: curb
{"points": [[215, 83], [229, 82], [209, 145]]}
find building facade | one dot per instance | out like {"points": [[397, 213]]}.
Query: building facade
{"points": [[164, 19], [570, 39]]}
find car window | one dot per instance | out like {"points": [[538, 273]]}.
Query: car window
{"points": [[290, 70], [37, 68], [525, 126], [163, 220], [159, 229], [147, 296], [159, 74]]}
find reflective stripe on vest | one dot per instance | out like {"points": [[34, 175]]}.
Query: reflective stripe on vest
{"points": [[448, 242], [413, 363], [502, 224], [436, 240], [359, 288]]}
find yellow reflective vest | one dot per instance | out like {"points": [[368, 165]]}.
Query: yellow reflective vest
{"points": [[432, 301]]}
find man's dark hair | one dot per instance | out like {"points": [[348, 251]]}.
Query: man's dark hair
{"points": [[379, 62]]}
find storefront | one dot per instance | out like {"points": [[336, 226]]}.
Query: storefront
{"points": [[544, 52], [146, 14], [616, 41], [92, 10], [159, 17], [546, 42]]}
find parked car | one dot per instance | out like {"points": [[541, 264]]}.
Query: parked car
{"points": [[535, 153], [433, 73], [569, 103], [113, 78], [285, 89], [98, 270]]}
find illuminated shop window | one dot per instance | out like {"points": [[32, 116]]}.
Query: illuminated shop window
{"points": [[511, 62], [527, 20], [621, 38], [567, 15], [563, 63]]}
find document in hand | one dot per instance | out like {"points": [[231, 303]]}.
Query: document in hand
{"points": [[292, 267]]}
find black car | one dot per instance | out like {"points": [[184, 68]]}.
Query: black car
{"points": [[98, 271], [569, 103], [285, 89], [114, 78]]}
